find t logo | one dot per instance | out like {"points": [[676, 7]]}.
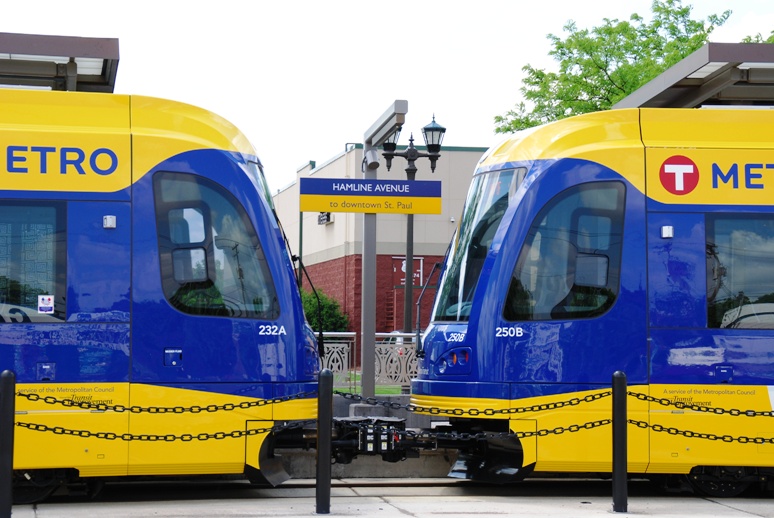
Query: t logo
{"points": [[679, 175]]}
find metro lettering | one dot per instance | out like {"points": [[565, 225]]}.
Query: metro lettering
{"points": [[75, 162], [11, 159], [43, 156], [717, 173], [749, 175], [23, 159], [753, 177], [113, 164]]}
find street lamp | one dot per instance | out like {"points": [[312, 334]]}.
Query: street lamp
{"points": [[433, 135]]}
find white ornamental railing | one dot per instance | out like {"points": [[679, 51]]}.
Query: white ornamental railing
{"points": [[396, 360]]}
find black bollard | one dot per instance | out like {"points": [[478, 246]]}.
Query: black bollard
{"points": [[620, 491], [7, 416], [324, 431]]}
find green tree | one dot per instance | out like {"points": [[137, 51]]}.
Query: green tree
{"points": [[333, 318], [600, 66], [759, 39]]}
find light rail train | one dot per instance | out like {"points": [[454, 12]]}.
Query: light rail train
{"points": [[633, 240], [148, 306]]}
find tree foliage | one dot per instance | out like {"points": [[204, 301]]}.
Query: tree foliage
{"points": [[333, 318], [759, 39], [600, 66]]}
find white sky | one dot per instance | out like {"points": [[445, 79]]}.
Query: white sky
{"points": [[301, 78]]}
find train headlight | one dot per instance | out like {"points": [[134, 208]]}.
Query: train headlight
{"points": [[454, 361]]}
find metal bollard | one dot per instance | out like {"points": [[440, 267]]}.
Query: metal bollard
{"points": [[7, 416], [324, 431], [620, 491]]}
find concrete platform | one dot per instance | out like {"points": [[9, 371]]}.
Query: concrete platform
{"points": [[395, 498]]}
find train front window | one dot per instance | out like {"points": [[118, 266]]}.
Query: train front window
{"points": [[488, 198], [211, 260], [255, 171]]}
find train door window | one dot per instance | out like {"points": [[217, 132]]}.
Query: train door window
{"points": [[212, 262], [569, 266], [32, 262], [740, 272]]}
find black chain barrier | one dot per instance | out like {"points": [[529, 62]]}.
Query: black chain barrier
{"points": [[743, 439], [186, 437], [473, 411], [408, 434], [702, 408], [195, 409]]}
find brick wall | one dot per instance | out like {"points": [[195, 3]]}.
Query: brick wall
{"points": [[342, 278]]}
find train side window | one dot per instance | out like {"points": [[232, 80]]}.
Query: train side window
{"points": [[33, 260], [186, 225], [188, 265], [212, 262], [740, 272], [569, 266]]}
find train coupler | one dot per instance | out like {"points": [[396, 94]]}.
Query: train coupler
{"points": [[383, 436]]}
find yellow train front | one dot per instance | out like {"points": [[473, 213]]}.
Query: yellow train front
{"points": [[631, 240], [147, 302]]}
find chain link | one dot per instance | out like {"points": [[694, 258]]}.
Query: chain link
{"points": [[743, 439], [195, 409], [474, 411], [702, 408], [186, 437]]}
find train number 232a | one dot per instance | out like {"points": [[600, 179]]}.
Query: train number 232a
{"points": [[271, 330]]}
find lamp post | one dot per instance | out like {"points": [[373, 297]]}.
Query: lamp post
{"points": [[433, 135]]}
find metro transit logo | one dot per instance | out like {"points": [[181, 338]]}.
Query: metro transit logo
{"points": [[679, 175]]}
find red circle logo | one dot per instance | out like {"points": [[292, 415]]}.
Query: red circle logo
{"points": [[679, 175]]}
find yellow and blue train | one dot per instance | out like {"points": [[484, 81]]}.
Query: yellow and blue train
{"points": [[634, 240], [147, 301]]}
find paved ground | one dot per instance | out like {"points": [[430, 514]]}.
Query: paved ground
{"points": [[390, 498]]}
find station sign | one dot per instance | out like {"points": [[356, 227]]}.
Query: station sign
{"points": [[370, 196]]}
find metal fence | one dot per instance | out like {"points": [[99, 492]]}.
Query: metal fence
{"points": [[396, 360]]}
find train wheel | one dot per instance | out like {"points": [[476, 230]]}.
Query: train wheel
{"points": [[30, 487], [719, 488], [720, 482]]}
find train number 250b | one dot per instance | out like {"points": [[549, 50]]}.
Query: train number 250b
{"points": [[508, 332]]}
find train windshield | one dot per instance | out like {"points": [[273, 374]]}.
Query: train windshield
{"points": [[489, 196], [255, 170]]}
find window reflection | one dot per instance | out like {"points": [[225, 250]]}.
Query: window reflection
{"points": [[570, 264], [32, 262], [211, 260], [740, 277], [489, 196]]}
